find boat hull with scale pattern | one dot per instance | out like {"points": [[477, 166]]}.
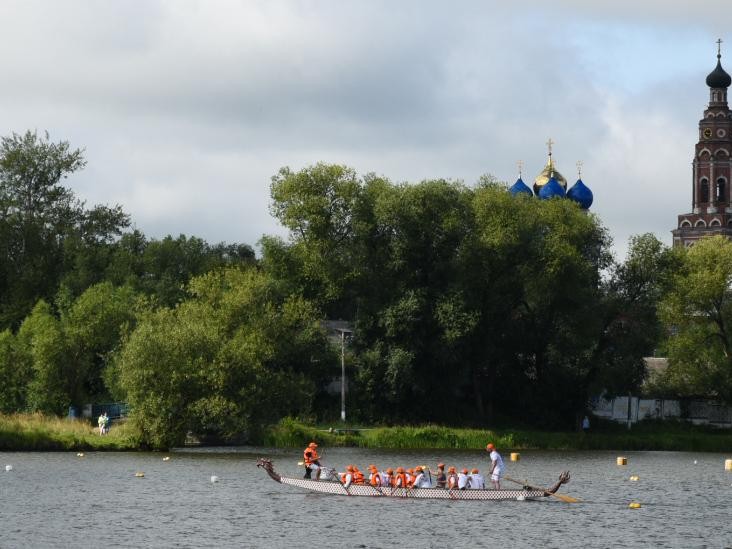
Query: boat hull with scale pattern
{"points": [[336, 488]]}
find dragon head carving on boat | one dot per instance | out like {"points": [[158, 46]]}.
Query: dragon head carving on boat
{"points": [[563, 479], [266, 464]]}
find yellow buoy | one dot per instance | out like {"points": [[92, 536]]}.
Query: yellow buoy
{"points": [[139, 474], [622, 461], [728, 464], [634, 505], [515, 456], [634, 478]]}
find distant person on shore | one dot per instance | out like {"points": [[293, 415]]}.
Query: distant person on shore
{"points": [[102, 423], [496, 468], [585, 424]]}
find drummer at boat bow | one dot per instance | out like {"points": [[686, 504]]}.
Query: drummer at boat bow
{"points": [[311, 459]]}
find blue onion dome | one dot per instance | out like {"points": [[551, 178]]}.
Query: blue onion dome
{"points": [[546, 174], [551, 190], [719, 78], [520, 188], [581, 194]]}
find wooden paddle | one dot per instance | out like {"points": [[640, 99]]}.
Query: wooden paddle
{"points": [[566, 499]]}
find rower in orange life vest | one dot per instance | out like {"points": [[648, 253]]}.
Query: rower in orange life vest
{"points": [[347, 477], [311, 460], [358, 477], [374, 476], [400, 478]]}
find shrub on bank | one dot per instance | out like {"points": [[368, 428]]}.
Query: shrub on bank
{"points": [[291, 433]]}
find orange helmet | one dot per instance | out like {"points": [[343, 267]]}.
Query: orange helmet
{"points": [[418, 468], [465, 471], [390, 470], [312, 445], [476, 471], [490, 447], [349, 468], [410, 471], [400, 469], [372, 466], [451, 470], [440, 465]]}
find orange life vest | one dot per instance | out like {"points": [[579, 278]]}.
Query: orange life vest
{"points": [[358, 477], [400, 480], [310, 455], [375, 479], [343, 478]]}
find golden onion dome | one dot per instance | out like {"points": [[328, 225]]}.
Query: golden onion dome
{"points": [[545, 174]]}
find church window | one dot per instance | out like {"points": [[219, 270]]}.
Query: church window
{"points": [[700, 223], [687, 223], [721, 184], [715, 223], [704, 191]]}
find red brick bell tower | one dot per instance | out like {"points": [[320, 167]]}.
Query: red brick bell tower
{"points": [[711, 208]]}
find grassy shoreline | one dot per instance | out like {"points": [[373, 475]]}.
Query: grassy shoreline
{"points": [[36, 432], [661, 437]]}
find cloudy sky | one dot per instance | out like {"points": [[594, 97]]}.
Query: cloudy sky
{"points": [[187, 108]]}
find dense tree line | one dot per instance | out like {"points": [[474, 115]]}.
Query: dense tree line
{"points": [[469, 305]]}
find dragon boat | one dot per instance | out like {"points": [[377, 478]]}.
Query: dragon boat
{"points": [[330, 485]]}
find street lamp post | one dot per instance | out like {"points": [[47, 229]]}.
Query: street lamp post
{"points": [[343, 372]]}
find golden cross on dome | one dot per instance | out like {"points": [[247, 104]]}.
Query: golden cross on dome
{"points": [[719, 47], [579, 169], [520, 165], [549, 144]]}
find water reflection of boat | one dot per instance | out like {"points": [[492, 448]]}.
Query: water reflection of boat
{"points": [[336, 488]]}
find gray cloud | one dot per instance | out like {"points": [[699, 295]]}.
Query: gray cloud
{"points": [[187, 108]]}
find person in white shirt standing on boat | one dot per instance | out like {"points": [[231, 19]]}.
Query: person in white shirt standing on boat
{"points": [[497, 467], [476, 480]]}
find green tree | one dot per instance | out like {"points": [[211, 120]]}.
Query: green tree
{"points": [[42, 351], [238, 353], [92, 328], [38, 215], [697, 313], [317, 205], [14, 373]]}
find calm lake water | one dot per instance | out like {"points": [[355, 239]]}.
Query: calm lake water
{"points": [[61, 500]]}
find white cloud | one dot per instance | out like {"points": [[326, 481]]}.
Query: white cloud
{"points": [[187, 108]]}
